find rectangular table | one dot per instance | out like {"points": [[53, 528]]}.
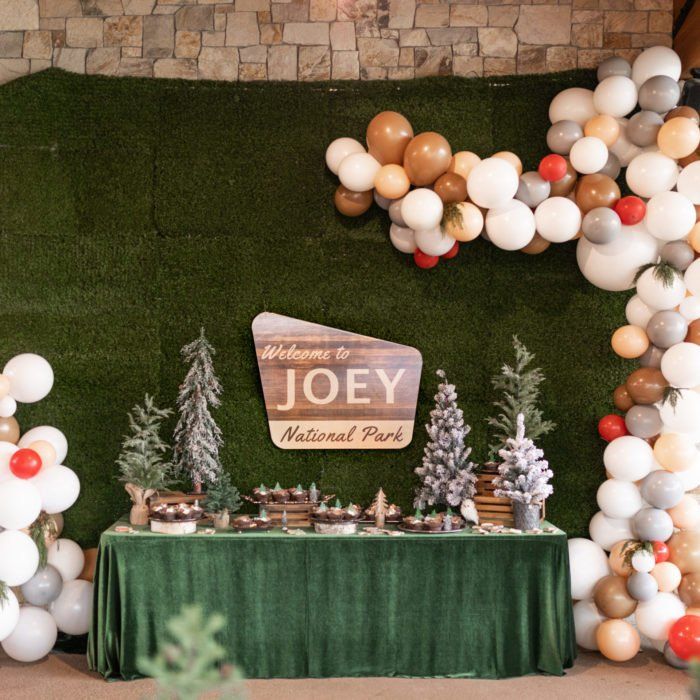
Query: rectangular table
{"points": [[456, 605]]}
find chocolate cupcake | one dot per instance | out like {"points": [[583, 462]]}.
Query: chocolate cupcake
{"points": [[321, 512], [393, 513], [299, 495], [261, 494], [169, 513], [280, 495], [432, 522], [242, 522]]}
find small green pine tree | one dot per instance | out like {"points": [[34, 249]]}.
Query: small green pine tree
{"points": [[222, 496]]}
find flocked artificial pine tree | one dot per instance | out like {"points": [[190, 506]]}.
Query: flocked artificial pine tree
{"points": [[447, 474], [520, 387], [197, 437]]}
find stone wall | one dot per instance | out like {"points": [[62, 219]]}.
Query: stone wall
{"points": [[322, 39]]}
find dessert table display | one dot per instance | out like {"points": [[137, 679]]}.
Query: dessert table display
{"points": [[471, 603]]}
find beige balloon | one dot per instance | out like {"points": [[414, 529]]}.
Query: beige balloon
{"points": [[684, 547], [617, 640], [4, 386], [463, 221], [675, 451], [462, 163], [686, 514], [630, 342], [604, 127], [392, 182], [45, 450], [511, 158], [678, 137], [536, 246], [617, 561], [667, 575]]}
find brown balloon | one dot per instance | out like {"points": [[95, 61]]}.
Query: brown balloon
{"points": [[622, 399], [352, 203], [693, 332], [596, 191], [536, 246], [451, 188], [646, 385], [689, 590], [564, 186], [88, 572], [388, 134], [427, 157], [683, 111], [9, 430], [612, 599], [684, 547], [692, 158]]}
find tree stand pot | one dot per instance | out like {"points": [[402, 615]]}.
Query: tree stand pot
{"points": [[138, 515], [526, 515], [139, 497], [221, 520]]}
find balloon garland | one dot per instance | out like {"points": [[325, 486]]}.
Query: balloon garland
{"points": [[40, 593], [637, 580]]}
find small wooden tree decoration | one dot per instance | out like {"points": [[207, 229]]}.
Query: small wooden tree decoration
{"points": [[380, 506]]}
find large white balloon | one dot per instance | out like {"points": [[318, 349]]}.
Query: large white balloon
{"points": [[588, 564], [623, 148], [670, 216], [628, 458], [619, 499], [657, 60], [59, 488], [689, 182], [690, 478], [588, 155], [19, 557], [20, 503], [608, 531], [557, 219], [357, 171], [692, 278], [72, 610], [587, 618], [67, 557], [50, 434], [689, 309], [9, 614], [402, 238], [492, 183], [7, 449], [31, 377], [681, 365], [637, 312], [575, 104], [33, 636], [684, 416], [510, 226], [434, 241], [657, 294], [421, 209], [615, 95], [650, 173], [655, 617], [340, 149]]}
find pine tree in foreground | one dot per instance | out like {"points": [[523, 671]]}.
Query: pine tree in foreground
{"points": [[197, 437], [447, 475]]}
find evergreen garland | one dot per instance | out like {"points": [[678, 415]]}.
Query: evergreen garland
{"points": [[4, 596], [663, 272], [42, 528]]}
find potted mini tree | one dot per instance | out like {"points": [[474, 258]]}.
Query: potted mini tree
{"points": [[141, 462], [222, 500]]}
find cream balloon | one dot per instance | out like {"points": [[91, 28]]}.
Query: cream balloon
{"points": [[689, 182], [657, 60], [46, 452], [655, 617], [658, 293], [421, 209], [588, 155], [8, 407], [690, 308], [59, 488], [72, 610], [7, 449], [692, 278], [667, 575], [588, 563], [637, 312], [650, 173], [615, 95], [19, 557], [587, 617], [357, 172], [402, 238], [33, 637], [50, 434], [670, 216], [675, 451], [67, 557], [510, 226], [9, 614], [681, 365], [340, 149], [690, 478], [557, 219], [434, 241], [686, 514], [607, 532], [623, 149], [20, 504], [492, 183], [575, 104], [31, 377], [618, 499]]}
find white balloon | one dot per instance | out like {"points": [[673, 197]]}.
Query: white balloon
{"points": [[67, 557], [59, 488], [656, 294], [72, 610], [33, 636], [692, 278], [608, 531], [357, 172], [689, 182], [587, 618], [20, 504], [588, 564], [628, 458], [690, 308], [492, 183], [31, 377], [557, 219], [643, 561], [340, 149], [434, 241], [638, 313], [657, 60], [684, 417], [681, 365], [670, 216], [588, 155], [19, 557], [510, 226], [650, 173], [395, 212], [9, 614], [8, 407], [50, 434], [615, 95], [623, 148], [7, 449], [655, 616], [421, 209], [619, 499], [402, 238], [575, 104], [690, 478]]}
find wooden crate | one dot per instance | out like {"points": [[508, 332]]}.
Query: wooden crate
{"points": [[298, 514], [175, 497], [491, 508]]}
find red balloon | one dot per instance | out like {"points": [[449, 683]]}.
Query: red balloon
{"points": [[425, 262], [552, 167], [452, 252], [25, 463], [631, 210], [661, 552], [612, 426], [684, 637]]}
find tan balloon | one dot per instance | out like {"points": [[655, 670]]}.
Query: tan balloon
{"points": [[4, 386], [352, 203], [462, 163], [693, 332], [463, 221], [45, 450], [612, 599], [616, 559], [686, 514], [678, 137], [565, 185], [630, 342], [667, 575], [683, 111], [451, 188], [427, 156], [596, 190], [511, 158], [689, 589], [694, 238], [617, 640], [675, 451], [536, 246], [9, 430], [392, 182], [388, 134], [622, 399], [684, 547], [604, 127], [88, 572]]}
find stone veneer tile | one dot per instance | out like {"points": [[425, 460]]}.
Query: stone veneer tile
{"points": [[13, 68], [343, 36], [123, 31], [471, 15], [401, 13], [60, 8], [242, 29], [11, 44], [322, 10], [270, 34], [102, 8], [413, 37], [251, 5], [187, 44], [158, 36], [561, 57], [253, 54], [252, 71], [72, 60], [37, 44], [544, 24], [432, 16], [401, 73], [19, 14], [314, 63], [195, 18], [498, 42], [468, 66], [138, 7], [587, 36], [345, 65], [378, 52], [447, 36], [103, 61], [294, 11], [503, 15], [499, 66], [433, 61], [282, 62], [36, 65], [628, 22], [175, 68], [218, 63], [137, 67], [306, 33], [85, 32], [213, 38]]}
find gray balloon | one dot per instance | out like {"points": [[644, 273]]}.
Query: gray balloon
{"points": [[666, 328], [532, 189], [612, 166], [642, 586], [44, 587], [662, 489], [643, 128], [672, 659], [614, 66], [659, 94], [601, 225], [643, 421], [652, 357], [562, 135], [678, 254], [652, 524]]}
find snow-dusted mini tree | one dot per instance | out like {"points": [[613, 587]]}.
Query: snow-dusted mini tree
{"points": [[447, 474], [523, 476], [197, 437]]}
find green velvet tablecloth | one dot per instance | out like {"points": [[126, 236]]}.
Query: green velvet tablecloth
{"points": [[460, 604]]}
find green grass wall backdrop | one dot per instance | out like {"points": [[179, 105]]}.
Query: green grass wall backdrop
{"points": [[134, 211]]}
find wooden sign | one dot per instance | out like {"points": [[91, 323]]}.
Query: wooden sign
{"points": [[334, 390]]}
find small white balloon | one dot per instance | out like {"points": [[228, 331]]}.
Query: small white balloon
{"points": [[692, 278], [31, 377], [67, 557], [690, 308], [656, 293], [638, 313], [628, 458], [656, 616], [421, 209], [19, 557], [650, 173], [9, 614], [357, 172], [51, 435], [681, 365], [33, 636], [607, 532], [402, 238], [557, 219], [575, 104], [619, 499], [623, 148], [340, 149], [492, 182], [615, 95], [643, 561], [587, 619], [510, 226], [657, 60], [20, 504], [72, 610], [588, 563], [434, 241], [689, 182], [588, 155], [669, 216], [690, 478], [8, 407], [7, 449], [59, 488]]}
